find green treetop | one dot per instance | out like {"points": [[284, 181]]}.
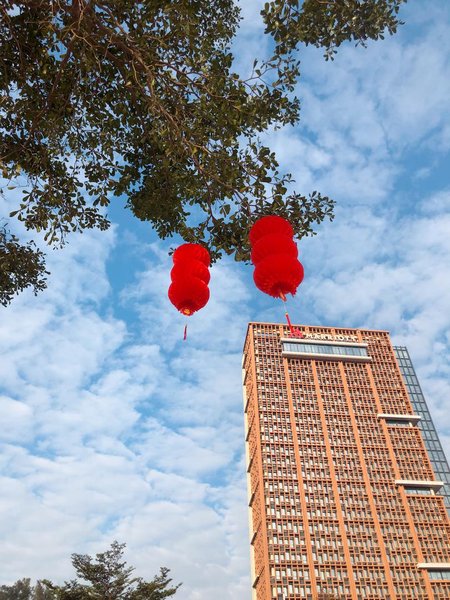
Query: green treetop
{"points": [[107, 577], [104, 98]]}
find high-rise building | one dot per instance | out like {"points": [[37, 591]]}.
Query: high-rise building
{"points": [[343, 500], [426, 425]]}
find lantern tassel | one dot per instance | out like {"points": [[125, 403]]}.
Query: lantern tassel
{"points": [[185, 333], [291, 329]]}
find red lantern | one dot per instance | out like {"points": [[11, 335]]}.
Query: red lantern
{"points": [[191, 269], [278, 275], [267, 226], [274, 254], [191, 252], [188, 294], [271, 244], [189, 291]]}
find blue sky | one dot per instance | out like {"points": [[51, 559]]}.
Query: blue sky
{"points": [[113, 428]]}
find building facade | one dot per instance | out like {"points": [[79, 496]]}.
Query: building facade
{"points": [[343, 500], [426, 425]]}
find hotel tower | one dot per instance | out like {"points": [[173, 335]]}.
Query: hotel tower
{"points": [[346, 476]]}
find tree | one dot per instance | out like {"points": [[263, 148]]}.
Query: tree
{"points": [[23, 590], [20, 590], [41, 592], [108, 578], [32, 267], [104, 98], [329, 23]]}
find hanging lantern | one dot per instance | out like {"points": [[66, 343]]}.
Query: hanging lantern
{"points": [[278, 275], [268, 225], [274, 254], [264, 247], [191, 252], [190, 276]]}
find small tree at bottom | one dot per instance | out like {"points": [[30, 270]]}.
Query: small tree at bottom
{"points": [[108, 577]]}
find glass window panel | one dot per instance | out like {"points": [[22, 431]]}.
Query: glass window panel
{"points": [[302, 348]]}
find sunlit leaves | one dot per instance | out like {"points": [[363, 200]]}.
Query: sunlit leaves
{"points": [[21, 266], [103, 98], [329, 23]]}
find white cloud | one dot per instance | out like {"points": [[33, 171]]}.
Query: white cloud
{"points": [[383, 98], [250, 43], [17, 420], [109, 436], [438, 203]]}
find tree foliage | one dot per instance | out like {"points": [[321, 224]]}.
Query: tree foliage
{"points": [[32, 267], [108, 98], [329, 23], [105, 577], [20, 590], [23, 590]]}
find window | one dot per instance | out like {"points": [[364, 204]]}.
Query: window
{"points": [[439, 574], [330, 349], [420, 490]]}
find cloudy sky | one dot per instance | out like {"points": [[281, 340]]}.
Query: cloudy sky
{"points": [[112, 427]]}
